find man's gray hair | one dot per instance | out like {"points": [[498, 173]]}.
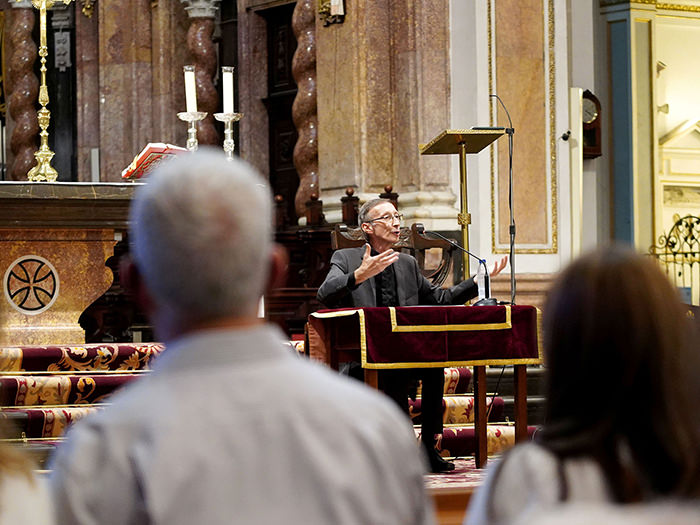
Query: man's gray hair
{"points": [[363, 215], [201, 235]]}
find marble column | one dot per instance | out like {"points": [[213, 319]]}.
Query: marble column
{"points": [[202, 14], [23, 89], [304, 109]]}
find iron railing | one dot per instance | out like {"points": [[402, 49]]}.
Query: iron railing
{"points": [[678, 252]]}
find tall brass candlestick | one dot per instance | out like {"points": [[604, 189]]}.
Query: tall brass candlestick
{"points": [[43, 171]]}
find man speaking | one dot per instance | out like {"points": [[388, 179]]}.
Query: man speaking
{"points": [[376, 275]]}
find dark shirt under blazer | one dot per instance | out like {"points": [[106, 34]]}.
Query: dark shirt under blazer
{"points": [[339, 289]]}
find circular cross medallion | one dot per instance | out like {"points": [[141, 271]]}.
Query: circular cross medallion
{"points": [[31, 284]]}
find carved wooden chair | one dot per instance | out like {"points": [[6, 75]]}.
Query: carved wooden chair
{"points": [[410, 241]]}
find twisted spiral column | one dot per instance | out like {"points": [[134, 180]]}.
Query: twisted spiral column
{"points": [[201, 46], [304, 109], [24, 87]]}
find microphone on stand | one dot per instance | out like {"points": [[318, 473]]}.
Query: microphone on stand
{"points": [[510, 130], [484, 286]]}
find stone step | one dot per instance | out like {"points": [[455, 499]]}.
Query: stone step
{"points": [[502, 382], [535, 409]]}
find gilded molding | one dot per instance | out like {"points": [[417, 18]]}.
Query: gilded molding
{"points": [[552, 128], [659, 5]]}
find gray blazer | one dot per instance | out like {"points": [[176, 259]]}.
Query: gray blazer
{"points": [[412, 287]]}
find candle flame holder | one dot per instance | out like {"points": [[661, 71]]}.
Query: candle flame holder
{"points": [[228, 119], [192, 117]]}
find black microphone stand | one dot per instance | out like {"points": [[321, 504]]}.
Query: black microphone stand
{"points": [[510, 131], [487, 300]]}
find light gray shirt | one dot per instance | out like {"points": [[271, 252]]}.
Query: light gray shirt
{"points": [[230, 427]]}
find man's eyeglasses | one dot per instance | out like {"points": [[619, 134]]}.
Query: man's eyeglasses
{"points": [[388, 218]]}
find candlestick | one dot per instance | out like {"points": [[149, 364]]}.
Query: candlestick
{"points": [[190, 89], [192, 117], [227, 76], [228, 119], [43, 171]]}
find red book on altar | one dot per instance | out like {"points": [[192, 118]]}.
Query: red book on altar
{"points": [[152, 155]]}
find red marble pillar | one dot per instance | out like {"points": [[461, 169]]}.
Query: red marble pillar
{"points": [[202, 14], [304, 110], [24, 91]]}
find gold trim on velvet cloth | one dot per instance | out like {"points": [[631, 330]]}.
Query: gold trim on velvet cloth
{"points": [[506, 325], [448, 327]]}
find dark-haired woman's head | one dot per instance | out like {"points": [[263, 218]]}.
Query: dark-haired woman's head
{"points": [[622, 373]]}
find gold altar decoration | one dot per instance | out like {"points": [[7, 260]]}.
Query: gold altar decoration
{"points": [[43, 171], [88, 6]]}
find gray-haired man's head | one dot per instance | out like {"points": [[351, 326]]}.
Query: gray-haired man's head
{"points": [[201, 236]]}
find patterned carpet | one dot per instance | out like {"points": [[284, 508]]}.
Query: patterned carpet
{"points": [[465, 476]]}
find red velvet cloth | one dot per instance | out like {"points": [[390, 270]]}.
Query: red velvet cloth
{"points": [[433, 336]]}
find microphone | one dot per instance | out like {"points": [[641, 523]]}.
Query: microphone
{"points": [[484, 289], [510, 129]]}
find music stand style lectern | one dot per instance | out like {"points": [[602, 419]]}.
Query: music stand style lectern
{"points": [[462, 142]]}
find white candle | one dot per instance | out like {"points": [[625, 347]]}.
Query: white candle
{"points": [[227, 75], [190, 89]]}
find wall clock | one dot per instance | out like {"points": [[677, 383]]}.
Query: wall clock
{"points": [[590, 114]]}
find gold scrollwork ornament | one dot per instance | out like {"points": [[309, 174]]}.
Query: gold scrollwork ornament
{"points": [[88, 7]]}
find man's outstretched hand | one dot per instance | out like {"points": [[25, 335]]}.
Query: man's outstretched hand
{"points": [[498, 266], [372, 266]]}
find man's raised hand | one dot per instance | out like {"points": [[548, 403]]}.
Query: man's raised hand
{"points": [[374, 265], [498, 266]]}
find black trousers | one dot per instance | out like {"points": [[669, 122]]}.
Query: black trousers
{"points": [[397, 383]]}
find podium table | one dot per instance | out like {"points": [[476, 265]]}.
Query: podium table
{"points": [[434, 337]]}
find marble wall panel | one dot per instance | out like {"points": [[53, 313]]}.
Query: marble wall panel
{"points": [[430, 106], [252, 82], [126, 81], [383, 88], [373, 135], [88, 90], [520, 80], [169, 55], [337, 92]]}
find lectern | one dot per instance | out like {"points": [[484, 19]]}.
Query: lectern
{"points": [[434, 336], [462, 142]]}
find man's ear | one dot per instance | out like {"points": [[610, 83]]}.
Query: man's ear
{"points": [[131, 280], [279, 263], [366, 227]]}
